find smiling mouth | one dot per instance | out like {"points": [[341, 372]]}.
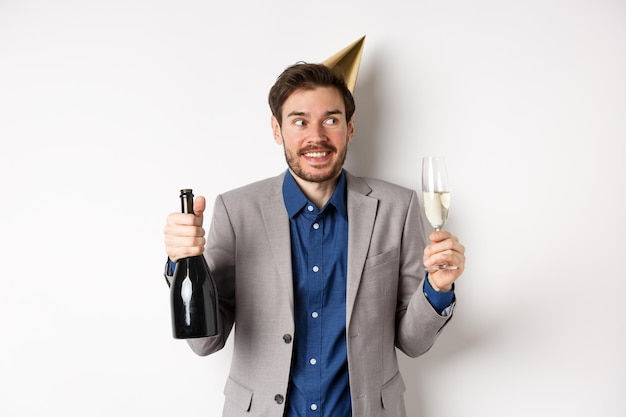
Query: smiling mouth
{"points": [[315, 154]]}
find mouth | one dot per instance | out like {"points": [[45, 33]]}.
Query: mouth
{"points": [[317, 152], [316, 155]]}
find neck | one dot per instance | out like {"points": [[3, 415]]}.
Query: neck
{"points": [[318, 192]]}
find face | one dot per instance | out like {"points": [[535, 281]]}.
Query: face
{"points": [[315, 133]]}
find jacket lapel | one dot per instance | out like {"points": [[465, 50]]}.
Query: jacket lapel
{"points": [[361, 217], [277, 228]]}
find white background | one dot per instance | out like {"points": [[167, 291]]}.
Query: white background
{"points": [[108, 108]]}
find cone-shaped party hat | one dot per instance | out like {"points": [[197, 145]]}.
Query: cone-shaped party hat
{"points": [[347, 62]]}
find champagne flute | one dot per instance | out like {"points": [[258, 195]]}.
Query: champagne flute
{"points": [[436, 196]]}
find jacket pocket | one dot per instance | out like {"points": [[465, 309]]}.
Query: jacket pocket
{"points": [[381, 258], [392, 396], [238, 394]]}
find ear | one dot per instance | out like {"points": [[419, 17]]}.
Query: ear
{"points": [[350, 130], [278, 137]]}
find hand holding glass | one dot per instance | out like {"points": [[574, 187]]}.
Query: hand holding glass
{"points": [[436, 197]]}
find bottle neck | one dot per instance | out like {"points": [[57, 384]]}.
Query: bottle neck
{"points": [[186, 201]]}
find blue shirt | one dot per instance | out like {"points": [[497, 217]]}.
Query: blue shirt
{"points": [[319, 385]]}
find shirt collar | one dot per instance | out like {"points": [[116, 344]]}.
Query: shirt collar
{"points": [[295, 199]]}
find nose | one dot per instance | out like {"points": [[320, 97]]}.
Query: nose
{"points": [[317, 133]]}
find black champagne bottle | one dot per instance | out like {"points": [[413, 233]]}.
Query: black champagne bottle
{"points": [[193, 294]]}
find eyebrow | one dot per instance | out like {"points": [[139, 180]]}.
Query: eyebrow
{"points": [[302, 113]]}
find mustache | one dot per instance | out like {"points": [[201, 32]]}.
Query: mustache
{"points": [[318, 148]]}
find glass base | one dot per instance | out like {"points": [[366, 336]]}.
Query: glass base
{"points": [[442, 267]]}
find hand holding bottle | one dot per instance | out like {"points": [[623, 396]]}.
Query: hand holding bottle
{"points": [[184, 234]]}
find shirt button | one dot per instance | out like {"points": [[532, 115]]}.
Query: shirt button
{"points": [[316, 268], [313, 361], [314, 314], [279, 399], [314, 407], [310, 208], [287, 338], [316, 226]]}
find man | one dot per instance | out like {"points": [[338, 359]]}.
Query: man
{"points": [[321, 272]]}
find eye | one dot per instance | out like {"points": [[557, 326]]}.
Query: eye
{"points": [[331, 121], [299, 122]]}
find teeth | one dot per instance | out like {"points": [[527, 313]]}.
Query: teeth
{"points": [[315, 154]]}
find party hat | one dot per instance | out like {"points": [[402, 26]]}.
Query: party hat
{"points": [[347, 62]]}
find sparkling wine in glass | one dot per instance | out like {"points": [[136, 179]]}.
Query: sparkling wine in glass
{"points": [[436, 196]]}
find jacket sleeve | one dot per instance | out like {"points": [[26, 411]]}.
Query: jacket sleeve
{"points": [[220, 256], [417, 323]]}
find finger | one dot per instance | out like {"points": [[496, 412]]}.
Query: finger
{"points": [[183, 230], [446, 257], [199, 206], [178, 247], [441, 235], [176, 253], [172, 241], [178, 218], [444, 245], [451, 256]]}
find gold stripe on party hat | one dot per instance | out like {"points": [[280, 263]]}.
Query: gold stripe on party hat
{"points": [[347, 62]]}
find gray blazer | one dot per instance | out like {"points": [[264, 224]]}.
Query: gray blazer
{"points": [[249, 252]]}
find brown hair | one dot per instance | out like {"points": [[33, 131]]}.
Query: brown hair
{"points": [[305, 76]]}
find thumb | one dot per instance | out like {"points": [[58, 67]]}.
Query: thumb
{"points": [[438, 236], [199, 205]]}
